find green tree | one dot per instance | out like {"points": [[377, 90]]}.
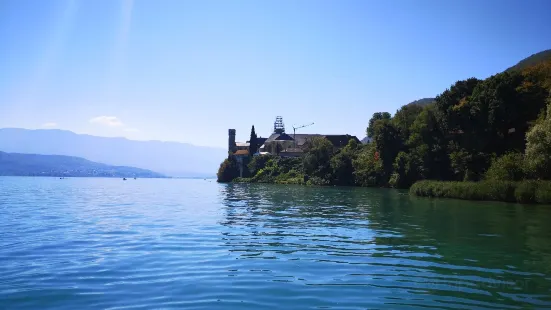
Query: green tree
{"points": [[316, 161], [257, 163], [387, 142], [500, 108], [341, 164], [406, 171], [404, 119], [508, 167], [376, 116], [368, 167], [538, 148], [228, 170], [467, 166], [253, 143], [427, 146], [451, 110]]}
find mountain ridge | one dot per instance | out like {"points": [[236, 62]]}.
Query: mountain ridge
{"points": [[167, 157], [422, 102], [19, 164], [532, 60]]}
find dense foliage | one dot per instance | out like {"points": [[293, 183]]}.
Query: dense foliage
{"points": [[422, 102], [228, 170], [489, 130], [527, 191], [538, 148], [543, 56]]}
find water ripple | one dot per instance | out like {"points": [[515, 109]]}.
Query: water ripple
{"points": [[144, 244]]}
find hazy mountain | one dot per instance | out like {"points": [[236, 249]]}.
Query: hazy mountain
{"points": [[532, 60], [422, 102], [170, 158], [14, 164]]}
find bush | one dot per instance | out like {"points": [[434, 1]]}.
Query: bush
{"points": [[242, 180], [228, 170], [538, 148], [317, 181], [368, 168], [291, 177], [405, 170], [316, 161], [543, 192], [508, 167], [258, 162], [508, 191], [526, 192]]}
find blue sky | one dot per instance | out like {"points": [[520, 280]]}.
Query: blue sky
{"points": [[179, 70]]}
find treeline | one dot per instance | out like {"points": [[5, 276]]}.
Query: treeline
{"points": [[322, 164], [493, 129]]}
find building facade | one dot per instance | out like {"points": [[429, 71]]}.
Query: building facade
{"points": [[283, 144]]}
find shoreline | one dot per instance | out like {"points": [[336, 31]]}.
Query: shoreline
{"points": [[525, 192]]}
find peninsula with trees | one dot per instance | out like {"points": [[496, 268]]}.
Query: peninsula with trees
{"points": [[479, 139]]}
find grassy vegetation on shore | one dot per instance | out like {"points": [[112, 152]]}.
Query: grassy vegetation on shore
{"points": [[529, 191]]}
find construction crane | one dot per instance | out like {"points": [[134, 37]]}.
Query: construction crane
{"points": [[294, 132]]}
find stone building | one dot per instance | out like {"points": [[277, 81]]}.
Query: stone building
{"points": [[283, 144]]}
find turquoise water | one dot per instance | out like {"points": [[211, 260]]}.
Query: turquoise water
{"points": [[195, 244]]}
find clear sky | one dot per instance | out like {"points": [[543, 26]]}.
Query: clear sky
{"points": [[182, 70]]}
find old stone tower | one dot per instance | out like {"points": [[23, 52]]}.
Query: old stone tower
{"points": [[231, 141]]}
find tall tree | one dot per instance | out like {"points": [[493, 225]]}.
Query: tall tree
{"points": [[228, 170], [427, 146], [376, 116], [404, 118], [538, 147], [253, 143], [497, 105], [388, 142], [451, 109], [317, 158]]}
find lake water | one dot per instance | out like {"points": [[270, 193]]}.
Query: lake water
{"points": [[195, 244]]}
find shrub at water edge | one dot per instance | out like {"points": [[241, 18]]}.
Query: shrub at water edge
{"points": [[524, 191]]}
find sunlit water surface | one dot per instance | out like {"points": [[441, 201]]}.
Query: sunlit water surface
{"points": [[195, 244]]}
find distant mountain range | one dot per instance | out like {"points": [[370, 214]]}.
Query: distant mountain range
{"points": [[15, 164], [169, 158]]}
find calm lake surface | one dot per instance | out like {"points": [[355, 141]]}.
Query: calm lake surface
{"points": [[195, 244]]}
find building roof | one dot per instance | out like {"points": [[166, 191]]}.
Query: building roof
{"points": [[279, 137], [301, 139], [259, 140], [292, 150], [241, 152], [341, 140], [242, 144]]}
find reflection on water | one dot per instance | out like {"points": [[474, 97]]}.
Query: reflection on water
{"points": [[195, 244], [445, 253]]}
